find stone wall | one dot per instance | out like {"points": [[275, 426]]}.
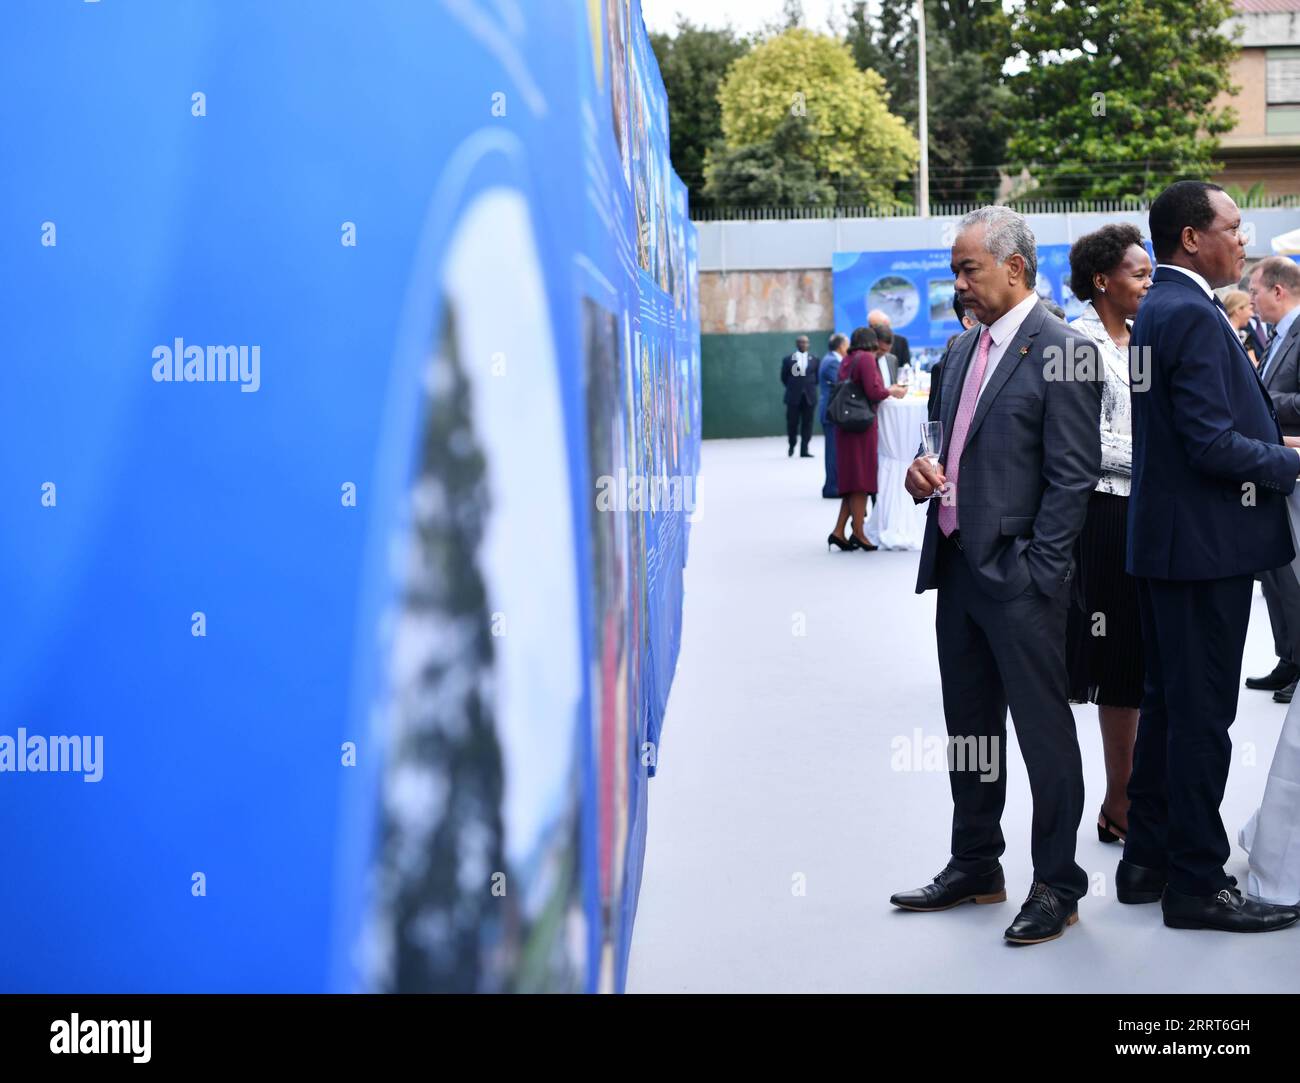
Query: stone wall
{"points": [[753, 302]]}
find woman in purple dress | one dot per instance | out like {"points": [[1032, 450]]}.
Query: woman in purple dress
{"points": [[855, 452]]}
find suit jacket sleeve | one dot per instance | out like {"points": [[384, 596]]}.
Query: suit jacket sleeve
{"points": [[1071, 469], [1286, 391], [1202, 417], [785, 371]]}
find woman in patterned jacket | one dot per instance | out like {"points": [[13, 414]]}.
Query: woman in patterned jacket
{"points": [[1111, 272]]}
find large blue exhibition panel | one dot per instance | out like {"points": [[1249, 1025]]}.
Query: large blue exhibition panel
{"points": [[323, 669]]}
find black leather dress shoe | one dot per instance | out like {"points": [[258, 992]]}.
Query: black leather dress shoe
{"points": [[1284, 673], [1135, 884], [1283, 695], [952, 888], [1043, 917], [1228, 910]]}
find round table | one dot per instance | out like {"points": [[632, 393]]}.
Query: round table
{"points": [[896, 521]]}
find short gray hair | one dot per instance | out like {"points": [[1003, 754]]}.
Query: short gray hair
{"points": [[1005, 232], [837, 340], [1278, 271]]}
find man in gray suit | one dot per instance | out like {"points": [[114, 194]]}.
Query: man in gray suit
{"points": [[1275, 293], [1020, 402]]}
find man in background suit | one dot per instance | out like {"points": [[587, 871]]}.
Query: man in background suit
{"points": [[1020, 402], [1274, 289], [1256, 328], [936, 370], [886, 359], [1206, 512], [828, 375], [799, 375], [877, 319]]}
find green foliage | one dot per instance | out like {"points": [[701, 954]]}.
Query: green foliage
{"points": [[692, 62], [775, 172], [848, 135], [966, 41], [1127, 107], [1138, 86], [1253, 197]]}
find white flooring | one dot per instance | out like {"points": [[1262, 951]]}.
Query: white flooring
{"points": [[776, 771]]}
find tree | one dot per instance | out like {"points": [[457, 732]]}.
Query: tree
{"points": [[886, 44], [1132, 107], [966, 43], [776, 172], [1254, 196], [692, 63], [851, 139]]}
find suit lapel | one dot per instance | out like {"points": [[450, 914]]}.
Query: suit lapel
{"points": [[1011, 357], [953, 383], [1284, 348]]}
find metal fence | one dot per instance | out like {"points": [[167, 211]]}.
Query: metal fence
{"points": [[950, 210]]}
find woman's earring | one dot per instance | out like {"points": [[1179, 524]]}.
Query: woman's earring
{"points": [[1102, 288]]}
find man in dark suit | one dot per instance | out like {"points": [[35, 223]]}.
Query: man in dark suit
{"points": [[1256, 328], [936, 370], [799, 374], [828, 375], [1206, 512], [877, 319], [1275, 292], [1020, 402]]}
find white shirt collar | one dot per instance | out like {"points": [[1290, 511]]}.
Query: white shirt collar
{"points": [[1006, 325], [1193, 275]]}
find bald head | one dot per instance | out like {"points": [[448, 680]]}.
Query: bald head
{"points": [[877, 317]]}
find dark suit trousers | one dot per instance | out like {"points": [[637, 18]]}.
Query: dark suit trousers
{"points": [[798, 420], [831, 487], [1193, 635], [993, 655], [1282, 593]]}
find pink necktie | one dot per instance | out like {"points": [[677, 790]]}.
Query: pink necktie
{"points": [[965, 411]]}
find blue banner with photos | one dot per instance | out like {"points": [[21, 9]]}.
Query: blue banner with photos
{"points": [[350, 450], [914, 288]]}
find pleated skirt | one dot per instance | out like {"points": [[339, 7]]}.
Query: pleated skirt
{"points": [[1104, 630]]}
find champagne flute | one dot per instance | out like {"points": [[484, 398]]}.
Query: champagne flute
{"points": [[931, 446]]}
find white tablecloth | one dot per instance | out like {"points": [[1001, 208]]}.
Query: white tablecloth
{"points": [[896, 522], [1270, 837]]}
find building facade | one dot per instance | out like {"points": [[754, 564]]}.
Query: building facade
{"points": [[1264, 147]]}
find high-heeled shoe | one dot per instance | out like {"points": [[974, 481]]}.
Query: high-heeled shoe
{"points": [[866, 547], [1109, 830], [836, 540]]}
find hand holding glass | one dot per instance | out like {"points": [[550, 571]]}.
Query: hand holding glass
{"points": [[931, 446]]}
